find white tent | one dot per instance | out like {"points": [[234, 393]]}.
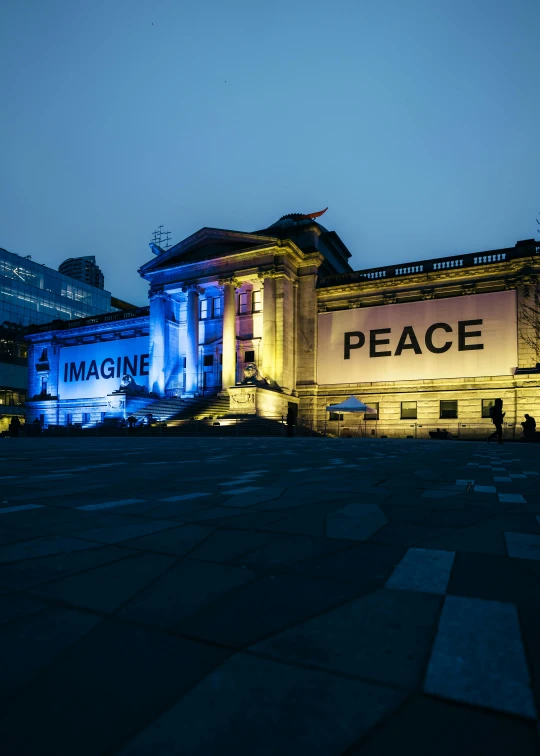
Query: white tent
{"points": [[352, 404]]}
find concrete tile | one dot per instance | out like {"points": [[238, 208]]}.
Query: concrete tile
{"points": [[370, 561], [14, 606], [502, 479], [187, 588], [30, 572], [225, 545], [177, 541], [478, 657], [244, 717], [356, 522], [512, 498], [119, 533], [384, 636], [284, 551], [105, 588], [103, 690], [495, 578], [523, 545], [430, 726], [39, 547], [266, 606], [485, 489], [34, 641], [424, 570]]}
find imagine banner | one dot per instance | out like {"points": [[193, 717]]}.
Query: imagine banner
{"points": [[457, 337], [95, 370]]}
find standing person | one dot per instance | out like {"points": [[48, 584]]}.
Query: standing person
{"points": [[131, 422], [529, 428], [497, 416], [14, 426], [291, 421]]}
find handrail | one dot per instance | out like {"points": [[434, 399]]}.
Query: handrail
{"points": [[522, 249]]}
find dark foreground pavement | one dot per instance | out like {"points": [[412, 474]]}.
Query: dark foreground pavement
{"points": [[268, 596]]}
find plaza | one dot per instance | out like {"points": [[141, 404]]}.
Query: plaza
{"points": [[214, 596]]}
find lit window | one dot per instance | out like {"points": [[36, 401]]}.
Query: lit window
{"points": [[336, 416], [242, 303], [217, 307], [256, 301], [449, 410], [487, 404], [408, 410], [375, 414], [204, 309]]}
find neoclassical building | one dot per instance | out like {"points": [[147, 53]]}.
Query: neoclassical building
{"points": [[277, 318]]}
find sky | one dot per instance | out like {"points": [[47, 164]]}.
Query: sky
{"points": [[415, 122]]}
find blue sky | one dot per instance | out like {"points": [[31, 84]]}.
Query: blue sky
{"points": [[415, 122]]}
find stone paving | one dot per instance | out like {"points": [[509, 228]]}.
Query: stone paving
{"points": [[269, 596]]}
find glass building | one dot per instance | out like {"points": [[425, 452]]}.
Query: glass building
{"points": [[31, 293]]}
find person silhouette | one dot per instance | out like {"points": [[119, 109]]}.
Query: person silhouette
{"points": [[529, 428], [497, 416]]}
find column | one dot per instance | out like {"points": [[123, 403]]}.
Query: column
{"points": [[192, 341], [158, 303], [269, 328], [228, 373]]}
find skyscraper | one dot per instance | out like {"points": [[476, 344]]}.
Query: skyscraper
{"points": [[83, 269]]}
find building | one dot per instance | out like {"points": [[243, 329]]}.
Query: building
{"points": [[31, 293], [83, 269], [277, 318]]}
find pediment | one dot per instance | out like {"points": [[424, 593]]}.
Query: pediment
{"points": [[208, 243]]}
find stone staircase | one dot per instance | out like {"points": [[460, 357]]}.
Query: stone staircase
{"points": [[173, 411]]}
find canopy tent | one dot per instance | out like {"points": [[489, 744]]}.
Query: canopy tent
{"points": [[352, 404]]}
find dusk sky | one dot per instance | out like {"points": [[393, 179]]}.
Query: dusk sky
{"points": [[416, 122]]}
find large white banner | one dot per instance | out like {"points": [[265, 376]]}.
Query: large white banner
{"points": [[94, 370], [457, 337]]}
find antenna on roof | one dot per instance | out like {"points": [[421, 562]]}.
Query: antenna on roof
{"points": [[161, 238]]}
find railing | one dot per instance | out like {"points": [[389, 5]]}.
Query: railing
{"points": [[522, 249], [108, 317]]}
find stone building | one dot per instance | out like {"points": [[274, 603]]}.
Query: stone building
{"points": [[277, 318]]}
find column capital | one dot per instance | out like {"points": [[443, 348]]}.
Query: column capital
{"points": [[192, 287], [230, 281], [157, 294], [269, 273]]}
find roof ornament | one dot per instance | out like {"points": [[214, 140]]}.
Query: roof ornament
{"points": [[301, 216]]}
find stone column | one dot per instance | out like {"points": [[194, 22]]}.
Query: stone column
{"points": [[158, 306], [228, 372], [192, 341], [269, 328]]}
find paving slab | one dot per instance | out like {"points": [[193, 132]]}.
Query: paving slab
{"points": [[243, 716]]}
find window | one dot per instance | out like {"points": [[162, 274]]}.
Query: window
{"points": [[69, 419], [448, 410], [487, 404], [208, 360], [86, 417], [242, 303], [375, 414], [204, 309], [408, 410], [184, 362], [43, 385], [336, 416], [216, 302], [249, 356], [256, 301]]}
